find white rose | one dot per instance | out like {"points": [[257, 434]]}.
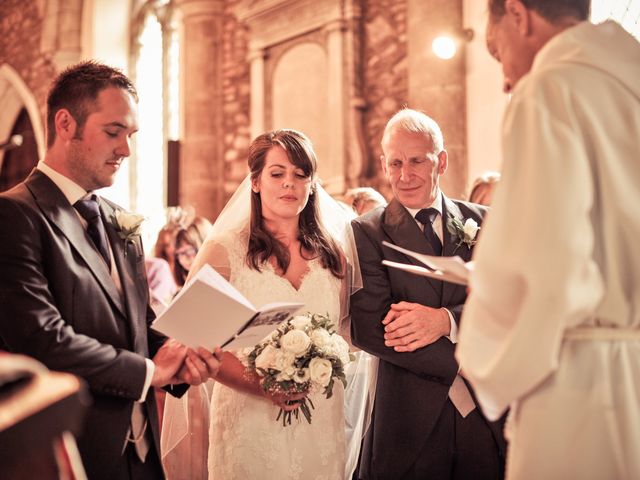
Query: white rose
{"points": [[300, 322], [301, 376], [470, 228], [321, 339], [267, 358], [284, 362], [320, 370], [340, 348], [128, 221], [295, 341]]}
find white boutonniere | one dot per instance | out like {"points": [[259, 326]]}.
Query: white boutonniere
{"points": [[464, 233], [128, 226]]}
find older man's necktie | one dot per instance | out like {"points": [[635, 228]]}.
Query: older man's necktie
{"points": [[458, 392], [427, 216]]}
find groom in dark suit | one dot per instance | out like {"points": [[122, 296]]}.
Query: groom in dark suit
{"points": [[424, 423], [73, 291]]}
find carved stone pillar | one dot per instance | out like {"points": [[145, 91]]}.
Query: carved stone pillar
{"points": [[256, 59], [293, 34], [355, 144], [201, 162]]}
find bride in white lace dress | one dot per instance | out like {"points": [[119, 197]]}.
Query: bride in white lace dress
{"points": [[281, 250], [245, 439]]}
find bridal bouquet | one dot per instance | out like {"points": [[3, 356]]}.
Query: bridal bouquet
{"points": [[304, 354]]}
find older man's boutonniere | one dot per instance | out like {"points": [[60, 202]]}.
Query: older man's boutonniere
{"points": [[464, 233], [128, 226]]}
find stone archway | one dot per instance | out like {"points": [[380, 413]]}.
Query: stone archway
{"points": [[14, 96]]}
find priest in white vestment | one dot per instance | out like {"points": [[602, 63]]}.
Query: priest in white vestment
{"points": [[552, 325]]}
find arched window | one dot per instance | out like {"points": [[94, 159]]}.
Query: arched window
{"points": [[626, 12], [155, 71]]}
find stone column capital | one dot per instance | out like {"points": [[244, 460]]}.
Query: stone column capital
{"points": [[198, 8], [337, 25], [256, 53]]}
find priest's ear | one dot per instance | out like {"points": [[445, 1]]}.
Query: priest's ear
{"points": [[519, 15]]}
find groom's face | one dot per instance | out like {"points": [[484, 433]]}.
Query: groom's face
{"points": [[284, 188], [97, 150]]}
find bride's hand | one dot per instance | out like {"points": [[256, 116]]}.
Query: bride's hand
{"points": [[286, 401]]}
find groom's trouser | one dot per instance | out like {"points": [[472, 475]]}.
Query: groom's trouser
{"points": [[459, 449]]}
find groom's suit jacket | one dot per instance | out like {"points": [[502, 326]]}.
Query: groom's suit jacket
{"points": [[412, 387], [59, 304]]}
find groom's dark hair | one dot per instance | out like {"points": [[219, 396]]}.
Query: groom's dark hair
{"points": [[313, 236], [77, 89]]}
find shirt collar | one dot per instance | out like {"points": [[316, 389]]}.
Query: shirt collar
{"points": [[69, 188], [437, 204]]}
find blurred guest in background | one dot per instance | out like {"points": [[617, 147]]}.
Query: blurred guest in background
{"points": [[177, 219], [162, 285], [363, 199], [483, 188], [188, 242]]}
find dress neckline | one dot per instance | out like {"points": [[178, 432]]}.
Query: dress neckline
{"points": [[303, 277]]}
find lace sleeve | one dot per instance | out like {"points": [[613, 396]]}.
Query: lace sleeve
{"points": [[215, 252]]}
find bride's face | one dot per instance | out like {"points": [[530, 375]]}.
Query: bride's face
{"points": [[284, 188]]}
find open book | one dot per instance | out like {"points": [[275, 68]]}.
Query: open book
{"points": [[211, 312], [447, 269]]}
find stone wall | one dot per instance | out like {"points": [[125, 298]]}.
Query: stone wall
{"points": [[386, 84], [235, 98], [385, 77], [21, 24]]}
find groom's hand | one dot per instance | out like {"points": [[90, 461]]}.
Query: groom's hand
{"points": [[409, 326], [200, 366], [168, 361]]}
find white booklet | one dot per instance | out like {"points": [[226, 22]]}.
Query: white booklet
{"points": [[210, 312], [447, 269]]}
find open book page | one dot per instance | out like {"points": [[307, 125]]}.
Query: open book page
{"points": [[210, 312], [262, 324], [448, 269]]}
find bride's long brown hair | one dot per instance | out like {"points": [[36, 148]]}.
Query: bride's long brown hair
{"points": [[312, 235]]}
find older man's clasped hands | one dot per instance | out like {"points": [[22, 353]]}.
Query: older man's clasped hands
{"points": [[409, 326]]}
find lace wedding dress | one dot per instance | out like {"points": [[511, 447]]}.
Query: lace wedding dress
{"points": [[245, 440]]}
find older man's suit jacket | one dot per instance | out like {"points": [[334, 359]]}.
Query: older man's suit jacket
{"points": [[412, 387], [59, 304]]}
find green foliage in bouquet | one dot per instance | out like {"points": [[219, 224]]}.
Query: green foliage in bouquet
{"points": [[302, 355]]}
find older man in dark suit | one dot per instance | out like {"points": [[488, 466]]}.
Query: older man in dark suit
{"points": [[425, 424], [73, 291]]}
